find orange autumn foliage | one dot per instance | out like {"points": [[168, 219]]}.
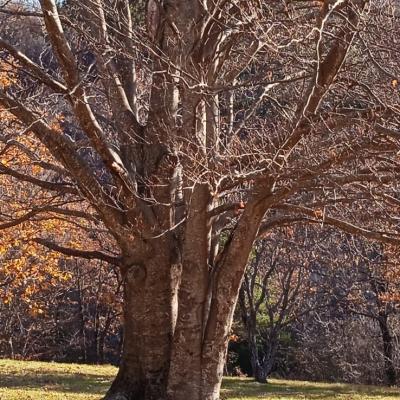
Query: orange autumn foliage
{"points": [[27, 267]]}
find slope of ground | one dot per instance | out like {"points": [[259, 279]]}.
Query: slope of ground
{"points": [[30, 380]]}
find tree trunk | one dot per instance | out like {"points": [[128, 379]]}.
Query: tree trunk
{"points": [[390, 370], [262, 360], [270, 348], [152, 366], [186, 363], [149, 315], [175, 343], [103, 334], [258, 371]]}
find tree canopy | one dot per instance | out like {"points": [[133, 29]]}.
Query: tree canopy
{"points": [[185, 130]]}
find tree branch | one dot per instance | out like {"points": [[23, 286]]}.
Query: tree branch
{"points": [[89, 255], [61, 187], [34, 69], [62, 148], [343, 225]]}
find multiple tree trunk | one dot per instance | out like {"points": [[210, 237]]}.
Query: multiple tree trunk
{"points": [[183, 218]]}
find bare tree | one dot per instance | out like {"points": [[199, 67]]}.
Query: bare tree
{"points": [[355, 338], [277, 291], [374, 296], [190, 138]]}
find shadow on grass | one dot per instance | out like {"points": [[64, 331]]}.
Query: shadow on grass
{"points": [[62, 382], [58, 382], [236, 387]]}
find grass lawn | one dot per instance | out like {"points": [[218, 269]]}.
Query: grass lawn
{"points": [[21, 380]]}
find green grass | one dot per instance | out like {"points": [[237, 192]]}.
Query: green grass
{"points": [[26, 380], [30, 380], [246, 389]]}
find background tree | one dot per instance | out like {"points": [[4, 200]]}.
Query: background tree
{"points": [[355, 337], [375, 296], [276, 292], [50, 308]]}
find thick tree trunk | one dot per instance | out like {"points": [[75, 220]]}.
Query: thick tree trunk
{"points": [[149, 318], [186, 364], [224, 297], [155, 365], [175, 343]]}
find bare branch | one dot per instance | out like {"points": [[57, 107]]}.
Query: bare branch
{"points": [[89, 255]]}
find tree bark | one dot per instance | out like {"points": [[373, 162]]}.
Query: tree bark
{"points": [[149, 315], [170, 356], [186, 364], [225, 294]]}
